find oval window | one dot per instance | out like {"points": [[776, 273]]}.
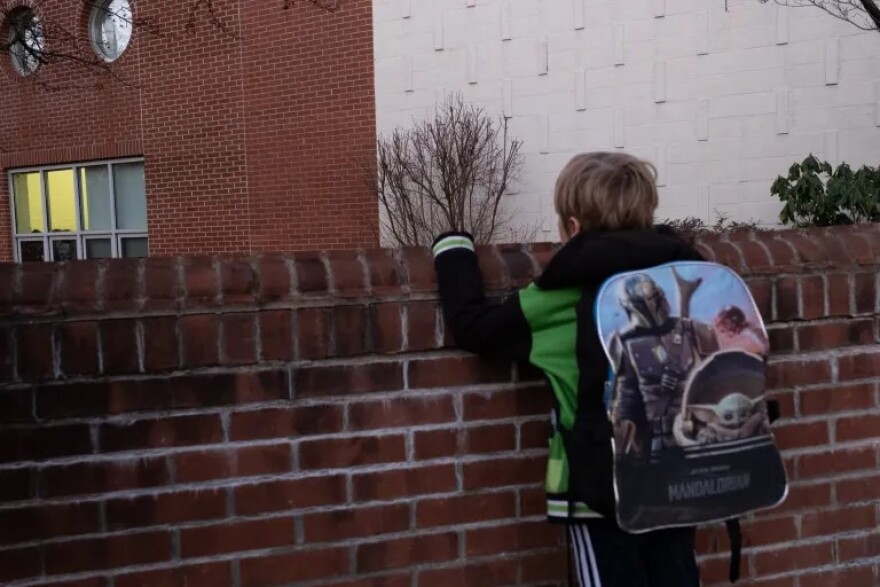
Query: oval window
{"points": [[110, 28], [26, 41]]}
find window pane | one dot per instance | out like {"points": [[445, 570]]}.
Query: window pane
{"points": [[134, 247], [131, 200], [98, 248], [111, 27], [64, 250], [28, 203], [26, 41], [30, 251], [62, 205], [94, 192]]}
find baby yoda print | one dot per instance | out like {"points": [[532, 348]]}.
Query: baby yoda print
{"points": [[735, 416]]}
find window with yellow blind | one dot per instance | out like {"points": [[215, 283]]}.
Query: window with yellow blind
{"points": [[86, 211]]}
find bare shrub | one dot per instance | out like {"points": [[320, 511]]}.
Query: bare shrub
{"points": [[448, 172], [691, 227]]}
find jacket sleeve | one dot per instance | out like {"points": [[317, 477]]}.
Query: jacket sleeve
{"points": [[498, 331]]}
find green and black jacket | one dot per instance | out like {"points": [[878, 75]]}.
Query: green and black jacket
{"points": [[551, 324]]}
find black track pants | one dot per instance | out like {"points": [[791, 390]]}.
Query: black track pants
{"points": [[605, 556]]}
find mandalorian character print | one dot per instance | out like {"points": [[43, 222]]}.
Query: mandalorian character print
{"points": [[653, 358]]}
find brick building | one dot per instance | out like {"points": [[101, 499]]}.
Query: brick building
{"points": [[218, 139]]}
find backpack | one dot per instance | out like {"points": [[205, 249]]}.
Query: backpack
{"points": [[685, 398]]}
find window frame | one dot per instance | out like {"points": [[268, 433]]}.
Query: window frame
{"points": [[18, 51], [115, 235], [100, 7]]}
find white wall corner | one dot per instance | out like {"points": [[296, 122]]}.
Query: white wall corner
{"points": [[782, 24], [619, 43], [704, 202], [579, 16], [580, 89], [660, 164], [703, 32], [659, 82], [832, 62], [703, 119], [438, 31], [506, 21], [783, 111], [544, 134], [507, 97], [659, 8], [619, 127], [472, 65], [542, 54], [831, 147]]}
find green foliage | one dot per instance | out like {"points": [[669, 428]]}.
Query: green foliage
{"points": [[815, 194]]}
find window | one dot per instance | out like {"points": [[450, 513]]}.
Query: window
{"points": [[88, 211], [26, 41], [110, 28]]}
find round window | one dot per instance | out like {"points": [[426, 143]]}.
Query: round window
{"points": [[26, 41], [110, 28]]}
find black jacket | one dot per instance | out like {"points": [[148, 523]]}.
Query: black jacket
{"points": [[551, 324]]}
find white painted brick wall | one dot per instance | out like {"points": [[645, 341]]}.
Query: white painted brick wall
{"points": [[722, 101]]}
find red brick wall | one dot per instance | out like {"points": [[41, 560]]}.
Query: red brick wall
{"points": [[249, 140], [301, 420]]}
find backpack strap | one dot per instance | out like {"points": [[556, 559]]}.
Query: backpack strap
{"points": [[609, 388], [773, 412], [734, 532]]}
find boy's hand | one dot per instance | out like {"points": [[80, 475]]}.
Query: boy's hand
{"points": [[452, 240]]}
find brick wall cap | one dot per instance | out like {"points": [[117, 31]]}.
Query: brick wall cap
{"points": [[309, 277]]}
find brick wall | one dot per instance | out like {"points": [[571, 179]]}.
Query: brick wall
{"points": [[245, 135], [300, 420]]}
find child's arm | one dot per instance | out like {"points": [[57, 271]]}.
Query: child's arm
{"points": [[494, 330]]}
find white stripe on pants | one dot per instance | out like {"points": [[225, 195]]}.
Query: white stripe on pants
{"points": [[584, 558]]}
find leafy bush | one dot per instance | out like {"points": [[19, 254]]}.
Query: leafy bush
{"points": [[817, 195]]}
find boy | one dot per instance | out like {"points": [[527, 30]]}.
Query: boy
{"points": [[606, 204]]}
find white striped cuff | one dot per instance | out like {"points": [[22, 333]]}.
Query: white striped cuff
{"points": [[452, 242]]}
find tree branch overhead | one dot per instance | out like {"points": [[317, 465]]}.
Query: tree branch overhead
{"points": [[863, 14], [38, 41]]}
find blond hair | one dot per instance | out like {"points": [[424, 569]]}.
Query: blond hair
{"points": [[607, 191]]}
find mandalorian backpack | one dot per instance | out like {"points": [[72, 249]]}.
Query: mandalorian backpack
{"points": [[685, 396]]}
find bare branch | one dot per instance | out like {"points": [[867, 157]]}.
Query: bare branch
{"points": [[863, 14], [873, 11], [449, 172], [325, 5], [196, 7], [39, 43]]}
